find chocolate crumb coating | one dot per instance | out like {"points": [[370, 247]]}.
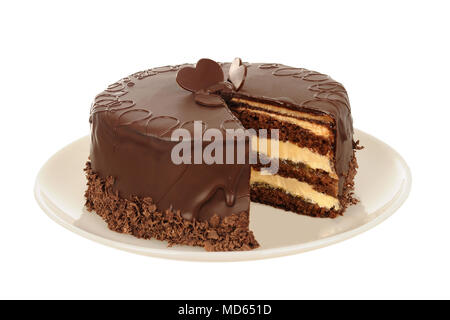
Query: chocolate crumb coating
{"points": [[140, 217]]}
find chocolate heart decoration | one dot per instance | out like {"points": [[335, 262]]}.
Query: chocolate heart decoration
{"points": [[205, 74], [237, 73], [207, 99], [223, 87]]}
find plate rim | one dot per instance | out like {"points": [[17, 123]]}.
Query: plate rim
{"points": [[168, 253]]}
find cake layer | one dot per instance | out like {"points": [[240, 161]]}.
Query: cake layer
{"points": [[318, 179], [294, 153], [278, 198], [296, 188], [288, 131], [283, 111], [315, 127]]}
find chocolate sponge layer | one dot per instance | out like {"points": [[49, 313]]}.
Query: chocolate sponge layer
{"points": [[318, 179], [287, 131]]}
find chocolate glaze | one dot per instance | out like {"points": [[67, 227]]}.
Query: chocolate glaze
{"points": [[132, 121]]}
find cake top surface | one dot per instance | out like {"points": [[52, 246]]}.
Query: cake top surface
{"points": [[152, 103]]}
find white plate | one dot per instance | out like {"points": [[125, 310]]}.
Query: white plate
{"points": [[383, 183]]}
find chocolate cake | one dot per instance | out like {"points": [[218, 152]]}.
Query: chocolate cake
{"points": [[138, 188]]}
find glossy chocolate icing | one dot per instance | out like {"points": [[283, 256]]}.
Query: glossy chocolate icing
{"points": [[132, 121]]}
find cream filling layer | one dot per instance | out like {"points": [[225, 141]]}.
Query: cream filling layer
{"points": [[296, 188], [283, 110], [314, 128], [292, 152]]}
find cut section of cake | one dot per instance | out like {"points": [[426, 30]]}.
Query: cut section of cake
{"points": [[307, 181]]}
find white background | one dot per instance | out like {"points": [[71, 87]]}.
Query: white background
{"points": [[392, 56]]}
